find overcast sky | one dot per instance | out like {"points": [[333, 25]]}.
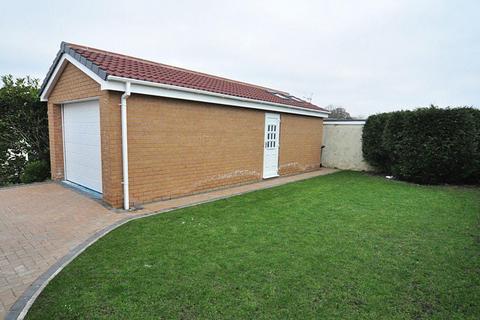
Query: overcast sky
{"points": [[368, 56]]}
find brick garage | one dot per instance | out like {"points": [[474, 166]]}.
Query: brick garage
{"points": [[187, 132]]}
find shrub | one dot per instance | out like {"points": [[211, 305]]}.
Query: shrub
{"points": [[23, 127], [372, 145], [35, 171], [428, 145]]}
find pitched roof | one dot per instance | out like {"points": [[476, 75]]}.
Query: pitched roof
{"points": [[105, 63]]}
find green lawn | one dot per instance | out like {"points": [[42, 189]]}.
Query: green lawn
{"points": [[346, 245]]}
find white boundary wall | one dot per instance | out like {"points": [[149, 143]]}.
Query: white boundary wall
{"points": [[343, 145]]}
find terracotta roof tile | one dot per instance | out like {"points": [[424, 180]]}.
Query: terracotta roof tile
{"points": [[139, 69]]}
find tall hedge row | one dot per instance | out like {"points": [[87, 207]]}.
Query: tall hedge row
{"points": [[427, 145]]}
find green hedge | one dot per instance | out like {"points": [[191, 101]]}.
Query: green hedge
{"points": [[427, 145], [372, 145]]}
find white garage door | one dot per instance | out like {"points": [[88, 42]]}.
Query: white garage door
{"points": [[81, 130]]}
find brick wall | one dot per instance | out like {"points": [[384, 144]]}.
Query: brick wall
{"points": [[300, 144], [179, 147], [111, 137]]}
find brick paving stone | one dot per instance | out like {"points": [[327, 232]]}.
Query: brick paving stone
{"points": [[39, 224], [7, 297]]}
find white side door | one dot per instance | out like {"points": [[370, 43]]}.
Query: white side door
{"points": [[270, 148], [81, 141]]}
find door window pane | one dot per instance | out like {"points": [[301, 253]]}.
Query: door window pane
{"points": [[271, 136]]}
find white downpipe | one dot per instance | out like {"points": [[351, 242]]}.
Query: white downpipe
{"points": [[126, 197]]}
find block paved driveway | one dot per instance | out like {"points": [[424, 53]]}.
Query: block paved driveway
{"points": [[39, 224]]}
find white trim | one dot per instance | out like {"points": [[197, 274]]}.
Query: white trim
{"points": [[346, 122], [163, 90], [63, 143], [58, 71], [123, 111]]}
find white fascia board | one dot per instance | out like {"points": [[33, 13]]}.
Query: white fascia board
{"points": [[162, 90], [58, 71], [346, 122]]}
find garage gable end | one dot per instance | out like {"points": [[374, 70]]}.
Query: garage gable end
{"points": [[73, 84]]}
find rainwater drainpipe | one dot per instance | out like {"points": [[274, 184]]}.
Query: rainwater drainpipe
{"points": [[125, 95]]}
